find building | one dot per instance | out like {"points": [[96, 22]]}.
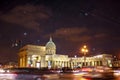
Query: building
{"points": [[45, 56], [41, 56]]}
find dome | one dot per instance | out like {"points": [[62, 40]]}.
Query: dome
{"points": [[50, 44]]}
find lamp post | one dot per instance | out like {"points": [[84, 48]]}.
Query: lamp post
{"points": [[84, 50]]}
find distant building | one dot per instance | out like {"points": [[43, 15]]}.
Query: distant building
{"points": [[45, 56]]}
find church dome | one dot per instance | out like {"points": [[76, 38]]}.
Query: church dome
{"points": [[50, 44]]}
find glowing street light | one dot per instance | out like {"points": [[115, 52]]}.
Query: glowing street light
{"points": [[84, 50]]}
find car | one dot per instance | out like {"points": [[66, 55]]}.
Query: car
{"points": [[25, 74]]}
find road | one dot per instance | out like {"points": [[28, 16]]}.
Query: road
{"points": [[35, 74], [70, 76]]}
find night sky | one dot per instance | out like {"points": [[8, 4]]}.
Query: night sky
{"points": [[71, 23]]}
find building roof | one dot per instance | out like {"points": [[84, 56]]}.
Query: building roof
{"points": [[50, 44]]}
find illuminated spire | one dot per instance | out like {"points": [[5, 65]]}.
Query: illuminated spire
{"points": [[50, 39]]}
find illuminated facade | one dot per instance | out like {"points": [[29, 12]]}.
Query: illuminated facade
{"points": [[45, 56], [98, 60], [41, 56]]}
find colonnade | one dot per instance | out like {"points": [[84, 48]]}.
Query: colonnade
{"points": [[59, 64], [29, 61]]}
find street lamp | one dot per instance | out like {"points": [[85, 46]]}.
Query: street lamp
{"points": [[84, 50]]}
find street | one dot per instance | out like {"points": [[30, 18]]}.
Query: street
{"points": [[77, 76], [45, 74]]}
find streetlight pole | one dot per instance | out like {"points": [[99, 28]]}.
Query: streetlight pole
{"points": [[84, 50]]}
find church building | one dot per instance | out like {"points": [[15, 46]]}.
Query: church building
{"points": [[45, 56], [42, 56]]}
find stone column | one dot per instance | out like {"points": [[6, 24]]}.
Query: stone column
{"points": [[43, 61]]}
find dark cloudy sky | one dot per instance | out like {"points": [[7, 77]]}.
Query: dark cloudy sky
{"points": [[71, 23]]}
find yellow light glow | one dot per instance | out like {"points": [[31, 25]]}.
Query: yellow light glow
{"points": [[84, 49], [84, 46]]}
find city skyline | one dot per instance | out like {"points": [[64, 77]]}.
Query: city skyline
{"points": [[71, 24]]}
